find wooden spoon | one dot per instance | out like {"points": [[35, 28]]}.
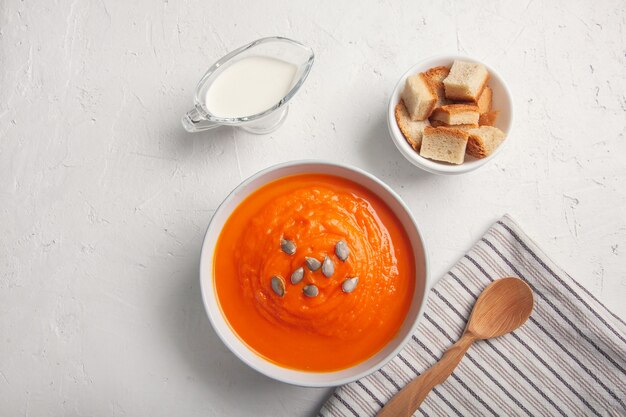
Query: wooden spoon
{"points": [[501, 308]]}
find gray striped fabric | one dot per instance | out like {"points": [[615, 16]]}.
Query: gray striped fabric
{"points": [[569, 359]]}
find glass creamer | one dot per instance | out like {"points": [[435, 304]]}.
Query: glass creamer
{"points": [[251, 86]]}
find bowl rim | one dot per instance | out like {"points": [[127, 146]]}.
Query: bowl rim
{"points": [[436, 167], [206, 255]]}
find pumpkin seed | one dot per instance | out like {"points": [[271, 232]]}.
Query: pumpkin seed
{"points": [[328, 268], [297, 275], [288, 246], [349, 284], [341, 250], [310, 290], [312, 263], [278, 285]]}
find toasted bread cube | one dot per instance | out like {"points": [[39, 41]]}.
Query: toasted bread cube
{"points": [[437, 74], [484, 101], [444, 144], [457, 114], [411, 129], [483, 141], [466, 81], [438, 123], [419, 97], [435, 77], [488, 119]]}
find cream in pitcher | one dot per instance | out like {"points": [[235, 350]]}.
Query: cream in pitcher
{"points": [[250, 87]]}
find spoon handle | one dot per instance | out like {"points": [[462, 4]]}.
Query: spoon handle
{"points": [[408, 400]]}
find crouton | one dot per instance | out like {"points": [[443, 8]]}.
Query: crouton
{"points": [[438, 123], [488, 119], [457, 114], [411, 129], [435, 77], [482, 141], [466, 81], [444, 144], [419, 97], [484, 101]]}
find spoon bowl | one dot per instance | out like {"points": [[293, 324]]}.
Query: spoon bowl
{"points": [[501, 308]]}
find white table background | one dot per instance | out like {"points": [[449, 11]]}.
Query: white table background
{"points": [[104, 199]]}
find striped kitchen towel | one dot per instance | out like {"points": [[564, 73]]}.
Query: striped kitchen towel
{"points": [[568, 359]]}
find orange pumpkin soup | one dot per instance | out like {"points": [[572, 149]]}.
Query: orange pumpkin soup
{"points": [[333, 329]]}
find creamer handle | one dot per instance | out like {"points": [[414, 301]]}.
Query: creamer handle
{"points": [[193, 121]]}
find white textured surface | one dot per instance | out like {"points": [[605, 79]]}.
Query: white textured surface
{"points": [[104, 199]]}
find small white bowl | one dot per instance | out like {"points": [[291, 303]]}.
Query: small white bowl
{"points": [[292, 376], [502, 102]]}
